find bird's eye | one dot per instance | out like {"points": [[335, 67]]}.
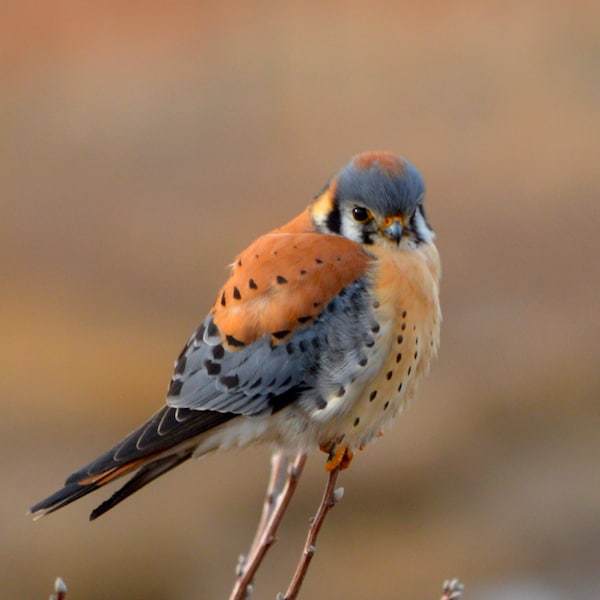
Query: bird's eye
{"points": [[361, 214]]}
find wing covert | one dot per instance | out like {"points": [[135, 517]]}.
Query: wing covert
{"points": [[259, 345]]}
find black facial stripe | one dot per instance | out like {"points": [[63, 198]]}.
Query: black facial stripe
{"points": [[414, 225], [366, 236], [334, 218]]}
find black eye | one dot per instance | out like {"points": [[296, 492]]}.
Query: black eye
{"points": [[360, 214]]}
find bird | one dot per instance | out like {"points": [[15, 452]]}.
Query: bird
{"points": [[319, 337]]}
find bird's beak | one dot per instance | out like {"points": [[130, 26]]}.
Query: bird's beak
{"points": [[392, 229]]}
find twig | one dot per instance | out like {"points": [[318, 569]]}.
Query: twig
{"points": [[285, 473], [330, 497], [453, 589], [60, 590]]}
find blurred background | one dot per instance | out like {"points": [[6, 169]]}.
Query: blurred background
{"points": [[143, 144]]}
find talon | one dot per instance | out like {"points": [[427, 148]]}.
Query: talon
{"points": [[346, 459], [339, 456]]}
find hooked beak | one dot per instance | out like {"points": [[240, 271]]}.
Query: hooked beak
{"points": [[392, 229]]}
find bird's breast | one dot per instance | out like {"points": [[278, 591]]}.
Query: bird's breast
{"points": [[404, 323]]}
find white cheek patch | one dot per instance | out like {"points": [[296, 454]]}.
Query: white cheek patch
{"points": [[350, 228], [422, 230]]}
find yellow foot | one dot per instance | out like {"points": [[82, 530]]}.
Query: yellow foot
{"points": [[339, 456]]}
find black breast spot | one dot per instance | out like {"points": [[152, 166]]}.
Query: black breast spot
{"points": [[281, 279], [252, 284], [236, 293]]}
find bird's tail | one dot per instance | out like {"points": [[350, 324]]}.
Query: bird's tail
{"points": [[162, 443]]}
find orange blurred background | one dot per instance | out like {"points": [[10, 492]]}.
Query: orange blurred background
{"points": [[144, 144]]}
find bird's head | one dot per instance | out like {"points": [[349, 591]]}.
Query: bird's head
{"points": [[377, 198]]}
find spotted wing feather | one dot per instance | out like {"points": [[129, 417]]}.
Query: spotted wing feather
{"points": [[251, 349]]}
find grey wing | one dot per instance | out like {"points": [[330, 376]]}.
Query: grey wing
{"points": [[263, 377], [259, 378]]}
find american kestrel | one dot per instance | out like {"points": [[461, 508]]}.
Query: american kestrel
{"points": [[318, 338]]}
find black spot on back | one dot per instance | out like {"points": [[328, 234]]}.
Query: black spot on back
{"points": [[230, 381], [175, 387], [281, 334], [233, 341], [212, 368], [199, 336], [212, 330], [180, 366]]}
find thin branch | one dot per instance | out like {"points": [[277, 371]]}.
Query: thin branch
{"points": [[453, 589], [285, 473], [280, 463], [330, 497]]}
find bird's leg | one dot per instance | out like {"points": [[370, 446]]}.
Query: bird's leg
{"points": [[338, 455], [285, 473]]}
